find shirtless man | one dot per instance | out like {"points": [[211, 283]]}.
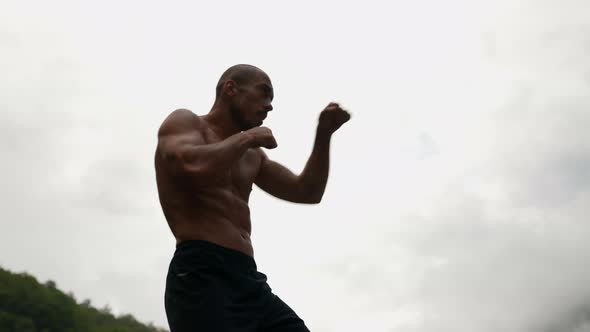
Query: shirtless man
{"points": [[205, 168]]}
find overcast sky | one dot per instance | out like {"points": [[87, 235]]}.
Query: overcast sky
{"points": [[459, 192]]}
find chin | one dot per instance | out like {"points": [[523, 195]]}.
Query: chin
{"points": [[250, 126], [256, 124]]}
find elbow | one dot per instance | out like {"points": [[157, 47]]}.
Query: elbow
{"points": [[202, 175], [191, 170], [315, 200], [313, 197], [198, 173], [181, 166], [308, 200], [311, 194]]}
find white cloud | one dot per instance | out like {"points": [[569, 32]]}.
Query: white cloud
{"points": [[458, 194]]}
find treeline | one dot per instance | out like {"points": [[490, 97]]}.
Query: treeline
{"points": [[29, 306]]}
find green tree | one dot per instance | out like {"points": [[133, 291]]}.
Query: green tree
{"points": [[29, 306]]}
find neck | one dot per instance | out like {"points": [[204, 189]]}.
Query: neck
{"points": [[222, 121]]}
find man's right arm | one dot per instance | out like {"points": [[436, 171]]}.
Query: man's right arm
{"points": [[185, 152]]}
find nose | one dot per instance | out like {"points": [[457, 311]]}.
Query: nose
{"points": [[268, 107]]}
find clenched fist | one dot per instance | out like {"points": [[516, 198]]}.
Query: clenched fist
{"points": [[332, 117], [261, 137]]}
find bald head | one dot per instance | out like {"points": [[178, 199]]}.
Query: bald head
{"points": [[244, 92], [241, 74]]}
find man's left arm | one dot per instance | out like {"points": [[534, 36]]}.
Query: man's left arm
{"points": [[309, 186]]}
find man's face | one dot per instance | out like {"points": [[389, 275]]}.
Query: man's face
{"points": [[252, 102]]}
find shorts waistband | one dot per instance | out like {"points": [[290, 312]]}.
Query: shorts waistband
{"points": [[230, 256]]}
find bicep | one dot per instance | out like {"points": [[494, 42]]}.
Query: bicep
{"points": [[175, 149], [177, 136]]}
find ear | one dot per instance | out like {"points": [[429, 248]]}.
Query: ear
{"points": [[229, 87]]}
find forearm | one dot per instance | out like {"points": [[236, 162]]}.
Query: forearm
{"points": [[315, 174], [215, 159]]}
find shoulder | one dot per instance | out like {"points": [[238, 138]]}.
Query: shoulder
{"points": [[180, 121]]}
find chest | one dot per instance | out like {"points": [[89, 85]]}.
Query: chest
{"points": [[242, 173]]}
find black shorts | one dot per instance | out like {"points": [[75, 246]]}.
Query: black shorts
{"points": [[210, 288]]}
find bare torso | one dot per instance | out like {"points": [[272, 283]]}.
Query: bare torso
{"points": [[217, 213]]}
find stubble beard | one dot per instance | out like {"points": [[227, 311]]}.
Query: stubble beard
{"points": [[238, 118]]}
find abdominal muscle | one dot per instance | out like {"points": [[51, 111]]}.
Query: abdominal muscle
{"points": [[221, 232], [216, 213], [218, 216]]}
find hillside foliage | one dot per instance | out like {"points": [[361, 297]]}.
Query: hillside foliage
{"points": [[29, 306]]}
